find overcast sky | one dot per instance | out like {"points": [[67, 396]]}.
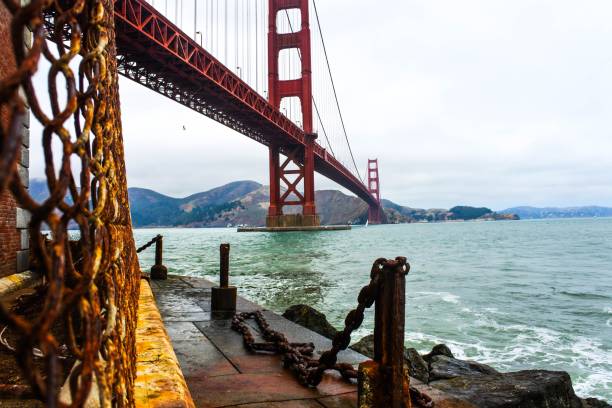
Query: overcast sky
{"points": [[478, 102]]}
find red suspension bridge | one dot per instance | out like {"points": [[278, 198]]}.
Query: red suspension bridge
{"points": [[155, 52]]}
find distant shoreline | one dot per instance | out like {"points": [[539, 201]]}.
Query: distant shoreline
{"points": [[405, 223]]}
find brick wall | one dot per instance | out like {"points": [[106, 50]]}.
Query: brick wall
{"points": [[9, 237], [14, 240]]}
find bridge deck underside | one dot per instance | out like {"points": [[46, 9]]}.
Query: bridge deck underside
{"points": [[154, 53]]}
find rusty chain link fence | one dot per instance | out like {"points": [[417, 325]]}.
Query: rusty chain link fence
{"points": [[91, 287]]}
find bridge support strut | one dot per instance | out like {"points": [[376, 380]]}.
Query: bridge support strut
{"points": [[298, 168]]}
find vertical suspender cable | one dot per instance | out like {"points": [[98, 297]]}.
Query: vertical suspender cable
{"points": [[217, 24], [236, 32], [256, 48], [225, 36], [248, 44], [334, 89]]}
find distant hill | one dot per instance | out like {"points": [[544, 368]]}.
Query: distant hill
{"points": [[246, 202], [150, 208], [556, 212], [242, 202], [457, 213]]}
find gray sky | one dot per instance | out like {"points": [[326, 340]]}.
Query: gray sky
{"points": [[478, 102]]}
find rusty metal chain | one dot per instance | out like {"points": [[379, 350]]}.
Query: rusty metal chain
{"points": [[96, 298], [365, 299], [296, 356], [148, 244]]}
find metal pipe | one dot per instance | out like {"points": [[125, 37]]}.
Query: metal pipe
{"points": [[389, 333], [224, 250], [159, 248]]}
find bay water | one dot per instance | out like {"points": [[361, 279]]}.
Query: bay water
{"points": [[512, 294]]}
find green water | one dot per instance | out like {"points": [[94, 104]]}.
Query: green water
{"points": [[516, 295]]}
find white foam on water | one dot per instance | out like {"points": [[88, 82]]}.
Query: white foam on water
{"points": [[590, 385], [521, 346], [445, 296]]}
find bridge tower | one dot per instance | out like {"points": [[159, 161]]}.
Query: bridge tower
{"points": [[298, 168], [375, 212]]}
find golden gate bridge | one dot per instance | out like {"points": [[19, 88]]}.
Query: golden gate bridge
{"points": [[255, 68]]}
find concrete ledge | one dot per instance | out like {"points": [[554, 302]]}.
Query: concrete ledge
{"points": [[293, 229], [12, 283], [159, 379]]}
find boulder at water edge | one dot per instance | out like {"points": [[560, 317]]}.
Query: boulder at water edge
{"points": [[310, 318]]}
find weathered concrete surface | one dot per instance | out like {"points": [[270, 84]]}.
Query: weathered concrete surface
{"points": [[159, 380], [221, 373]]}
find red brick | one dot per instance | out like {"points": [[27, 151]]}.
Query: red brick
{"points": [[9, 236]]}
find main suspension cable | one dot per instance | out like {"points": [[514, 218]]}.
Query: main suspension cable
{"points": [[334, 89]]}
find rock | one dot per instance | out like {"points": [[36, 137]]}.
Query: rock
{"points": [[417, 367], [442, 367], [528, 389], [311, 319], [594, 403], [365, 346], [438, 350]]}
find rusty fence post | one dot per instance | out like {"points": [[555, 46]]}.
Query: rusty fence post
{"points": [[384, 382], [223, 297], [159, 271]]}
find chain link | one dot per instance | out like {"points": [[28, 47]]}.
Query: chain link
{"points": [[148, 244], [298, 356], [96, 297]]}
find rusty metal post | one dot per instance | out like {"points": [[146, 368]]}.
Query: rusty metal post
{"points": [[384, 382], [159, 271], [223, 297], [224, 265]]}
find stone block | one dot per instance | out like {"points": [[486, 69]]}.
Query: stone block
{"points": [[23, 218], [23, 260], [24, 238], [25, 136], [25, 156], [27, 38], [24, 175], [26, 120]]}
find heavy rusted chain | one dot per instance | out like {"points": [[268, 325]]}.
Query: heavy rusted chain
{"points": [[341, 341], [148, 244], [297, 356], [96, 296]]}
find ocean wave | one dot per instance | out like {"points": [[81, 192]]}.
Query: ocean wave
{"points": [[591, 384], [584, 295], [445, 296]]}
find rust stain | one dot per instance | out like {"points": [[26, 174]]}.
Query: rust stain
{"points": [[159, 380]]}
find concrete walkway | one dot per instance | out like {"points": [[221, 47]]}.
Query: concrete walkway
{"points": [[218, 369]]}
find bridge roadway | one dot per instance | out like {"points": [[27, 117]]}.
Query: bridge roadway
{"points": [[155, 53]]}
